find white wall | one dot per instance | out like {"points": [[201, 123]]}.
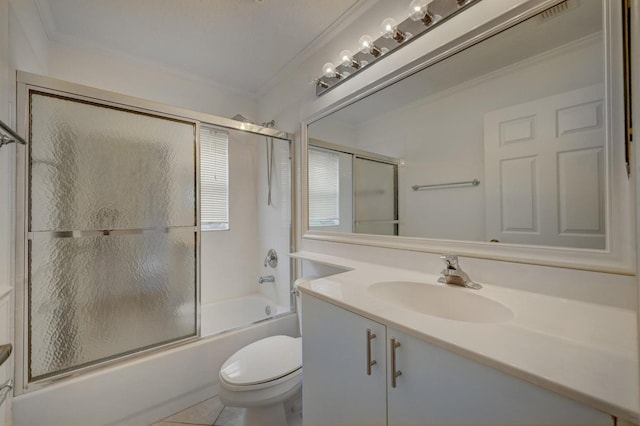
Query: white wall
{"points": [[6, 153], [120, 73], [274, 221], [22, 45], [333, 130], [447, 129], [232, 261]]}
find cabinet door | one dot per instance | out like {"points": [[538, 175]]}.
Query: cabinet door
{"points": [[438, 387], [336, 389]]}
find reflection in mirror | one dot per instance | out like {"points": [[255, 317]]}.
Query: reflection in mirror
{"points": [[352, 190], [523, 112]]}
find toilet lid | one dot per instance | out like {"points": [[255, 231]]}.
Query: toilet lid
{"points": [[263, 361]]}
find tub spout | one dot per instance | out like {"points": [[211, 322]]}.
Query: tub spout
{"points": [[266, 279]]}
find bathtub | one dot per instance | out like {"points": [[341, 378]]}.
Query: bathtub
{"points": [[238, 312], [149, 388]]}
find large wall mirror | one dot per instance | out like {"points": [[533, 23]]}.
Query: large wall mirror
{"points": [[515, 141]]}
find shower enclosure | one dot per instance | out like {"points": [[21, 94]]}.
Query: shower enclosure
{"points": [[108, 228]]}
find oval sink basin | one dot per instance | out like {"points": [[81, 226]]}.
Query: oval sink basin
{"points": [[444, 302]]}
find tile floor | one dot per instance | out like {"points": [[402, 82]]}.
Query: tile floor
{"points": [[213, 413]]}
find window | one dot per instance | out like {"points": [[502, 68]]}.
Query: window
{"points": [[323, 188], [214, 179]]}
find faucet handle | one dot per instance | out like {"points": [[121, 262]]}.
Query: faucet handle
{"points": [[450, 260]]}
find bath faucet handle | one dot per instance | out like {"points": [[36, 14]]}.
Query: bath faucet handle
{"points": [[450, 260], [271, 259]]}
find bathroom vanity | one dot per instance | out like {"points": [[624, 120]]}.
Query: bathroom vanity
{"points": [[375, 358]]}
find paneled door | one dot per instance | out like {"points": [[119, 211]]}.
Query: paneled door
{"points": [[545, 170]]}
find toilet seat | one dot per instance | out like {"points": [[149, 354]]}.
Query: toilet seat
{"points": [[267, 362]]}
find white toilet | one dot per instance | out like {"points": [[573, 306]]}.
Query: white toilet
{"points": [[263, 375]]}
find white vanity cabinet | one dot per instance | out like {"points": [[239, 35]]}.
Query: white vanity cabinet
{"points": [[435, 387], [336, 387]]}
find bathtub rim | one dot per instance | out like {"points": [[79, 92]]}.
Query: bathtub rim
{"points": [[292, 310]]}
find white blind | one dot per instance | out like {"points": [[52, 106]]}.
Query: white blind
{"points": [[214, 179], [324, 192]]}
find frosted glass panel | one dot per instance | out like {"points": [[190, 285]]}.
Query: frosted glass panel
{"points": [[93, 298], [95, 295], [96, 167]]}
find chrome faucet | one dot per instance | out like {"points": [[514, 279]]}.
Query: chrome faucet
{"points": [[266, 279], [453, 274]]}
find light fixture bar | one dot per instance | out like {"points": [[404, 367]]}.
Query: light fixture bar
{"points": [[430, 15]]}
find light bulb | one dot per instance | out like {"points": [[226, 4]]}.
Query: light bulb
{"points": [[347, 59], [329, 70], [366, 42], [390, 30], [367, 46], [418, 9], [389, 27], [420, 12]]}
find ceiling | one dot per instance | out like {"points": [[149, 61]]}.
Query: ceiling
{"points": [[240, 44]]}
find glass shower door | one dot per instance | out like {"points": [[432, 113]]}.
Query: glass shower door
{"points": [[111, 233], [375, 197]]}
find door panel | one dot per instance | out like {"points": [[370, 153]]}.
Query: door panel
{"points": [[336, 389], [438, 387], [545, 171], [110, 250]]}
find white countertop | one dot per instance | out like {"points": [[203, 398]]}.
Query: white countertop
{"points": [[585, 351]]}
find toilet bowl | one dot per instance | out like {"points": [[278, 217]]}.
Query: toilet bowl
{"points": [[260, 377], [263, 375]]}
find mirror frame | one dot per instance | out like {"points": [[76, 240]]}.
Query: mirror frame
{"points": [[485, 20]]}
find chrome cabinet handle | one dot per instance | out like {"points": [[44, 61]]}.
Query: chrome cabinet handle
{"points": [[394, 373], [370, 362]]}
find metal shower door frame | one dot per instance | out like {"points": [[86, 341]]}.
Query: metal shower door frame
{"points": [[27, 82]]}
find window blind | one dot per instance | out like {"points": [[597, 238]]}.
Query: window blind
{"points": [[214, 179], [324, 172]]}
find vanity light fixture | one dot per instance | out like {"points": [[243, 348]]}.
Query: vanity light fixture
{"points": [[423, 16]]}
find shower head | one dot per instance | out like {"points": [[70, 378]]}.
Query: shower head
{"points": [[240, 117]]}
